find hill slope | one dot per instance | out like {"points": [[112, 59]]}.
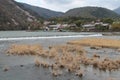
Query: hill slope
{"points": [[92, 12], [12, 17], [117, 10], [42, 12]]}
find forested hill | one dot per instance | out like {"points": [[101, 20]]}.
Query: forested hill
{"points": [[41, 12], [91, 12]]}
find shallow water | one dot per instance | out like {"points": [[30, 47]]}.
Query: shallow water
{"points": [[29, 72], [23, 35], [14, 34]]}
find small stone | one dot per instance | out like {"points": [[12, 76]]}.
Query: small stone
{"points": [[21, 65], [5, 69]]}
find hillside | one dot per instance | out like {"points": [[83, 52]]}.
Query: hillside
{"points": [[41, 12], [91, 12], [12, 17], [117, 10]]}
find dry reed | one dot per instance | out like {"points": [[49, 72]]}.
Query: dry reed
{"points": [[98, 42], [24, 49], [70, 56], [37, 62]]}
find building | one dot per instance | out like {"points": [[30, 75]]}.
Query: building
{"points": [[46, 22], [92, 26], [88, 27]]}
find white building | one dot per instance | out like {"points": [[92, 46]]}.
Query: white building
{"points": [[88, 27]]}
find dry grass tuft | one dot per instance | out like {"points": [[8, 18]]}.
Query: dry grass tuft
{"points": [[97, 42], [37, 62], [24, 49], [68, 61], [79, 73], [94, 47], [56, 73], [109, 64], [44, 53], [106, 64], [70, 48], [52, 53], [45, 64], [96, 56]]}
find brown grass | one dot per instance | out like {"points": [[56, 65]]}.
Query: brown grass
{"points": [[56, 73], [70, 48], [45, 64], [24, 49], [99, 42], [106, 64], [37, 62], [69, 57], [68, 61], [79, 73]]}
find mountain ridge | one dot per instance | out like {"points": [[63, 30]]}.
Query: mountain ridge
{"points": [[117, 10], [43, 12], [91, 12]]}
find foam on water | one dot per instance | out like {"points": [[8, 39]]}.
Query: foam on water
{"points": [[50, 37]]}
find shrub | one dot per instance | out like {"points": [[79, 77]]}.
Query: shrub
{"points": [[115, 26]]}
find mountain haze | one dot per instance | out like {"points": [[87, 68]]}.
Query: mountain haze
{"points": [[117, 10], [91, 12]]}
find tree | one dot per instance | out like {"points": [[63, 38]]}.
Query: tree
{"points": [[108, 20], [116, 26], [101, 28], [78, 23]]}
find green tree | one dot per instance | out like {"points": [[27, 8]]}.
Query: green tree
{"points": [[116, 26], [108, 20], [78, 23], [101, 28]]}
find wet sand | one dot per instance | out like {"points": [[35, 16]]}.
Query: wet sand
{"points": [[30, 72]]}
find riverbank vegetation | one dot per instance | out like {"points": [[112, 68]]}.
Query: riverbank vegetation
{"points": [[24, 49], [98, 42]]}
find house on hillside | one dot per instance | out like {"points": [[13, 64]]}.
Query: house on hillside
{"points": [[72, 26], [56, 27], [94, 26], [46, 22], [88, 27]]}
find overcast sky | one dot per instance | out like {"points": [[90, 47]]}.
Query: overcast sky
{"points": [[64, 5]]}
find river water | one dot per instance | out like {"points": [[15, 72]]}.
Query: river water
{"points": [[29, 72]]}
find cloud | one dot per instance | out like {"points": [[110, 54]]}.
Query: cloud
{"points": [[64, 5], [59, 1]]}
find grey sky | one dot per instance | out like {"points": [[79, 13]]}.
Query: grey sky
{"points": [[64, 5]]}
